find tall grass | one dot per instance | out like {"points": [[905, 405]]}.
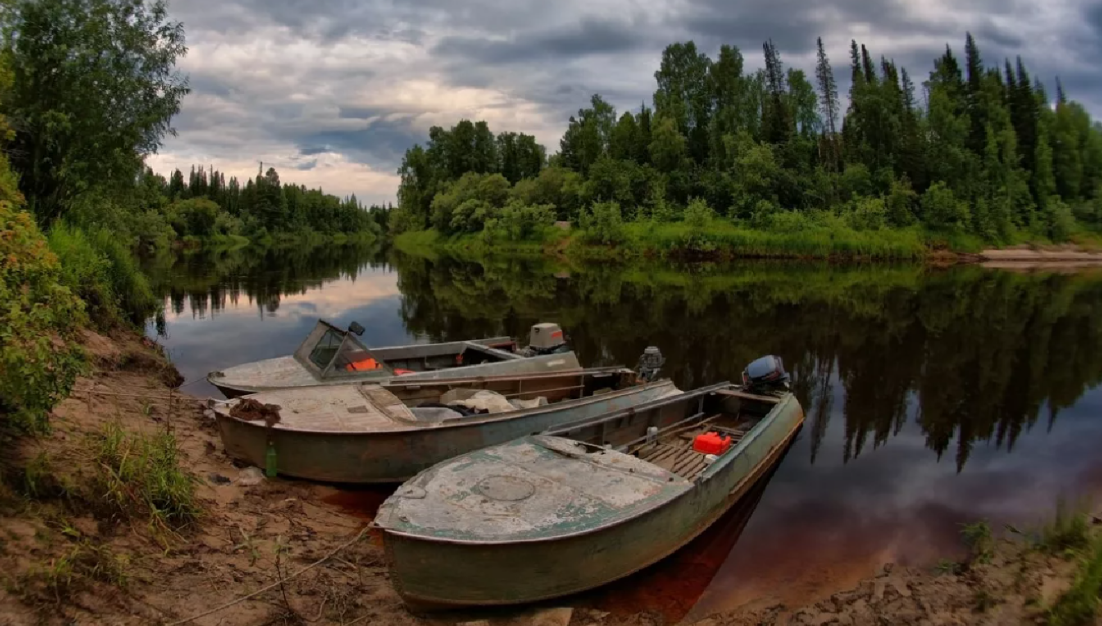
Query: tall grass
{"points": [[140, 475], [102, 270], [1079, 605], [1068, 532], [818, 242]]}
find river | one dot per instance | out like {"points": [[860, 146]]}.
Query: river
{"points": [[934, 397]]}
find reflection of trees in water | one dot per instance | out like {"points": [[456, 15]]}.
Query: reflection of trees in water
{"points": [[210, 281], [968, 354]]}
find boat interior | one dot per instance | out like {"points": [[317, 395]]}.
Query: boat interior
{"points": [[335, 353], [535, 390], [666, 433]]}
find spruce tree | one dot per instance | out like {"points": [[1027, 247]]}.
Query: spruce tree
{"points": [[828, 98]]}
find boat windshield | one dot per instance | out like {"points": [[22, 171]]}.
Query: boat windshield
{"points": [[351, 357], [326, 348]]}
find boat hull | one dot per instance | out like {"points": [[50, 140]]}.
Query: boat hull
{"points": [[433, 573], [395, 456], [514, 366]]}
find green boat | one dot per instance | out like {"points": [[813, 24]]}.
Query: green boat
{"points": [[582, 505], [371, 433]]}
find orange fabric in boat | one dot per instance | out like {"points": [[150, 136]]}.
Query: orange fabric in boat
{"points": [[363, 366], [402, 372]]}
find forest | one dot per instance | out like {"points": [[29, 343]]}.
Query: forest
{"points": [[88, 90], [976, 154], [206, 207]]}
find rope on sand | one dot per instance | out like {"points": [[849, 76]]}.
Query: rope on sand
{"points": [[277, 583]]}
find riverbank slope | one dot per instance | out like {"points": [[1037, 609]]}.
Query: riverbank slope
{"points": [[282, 552]]}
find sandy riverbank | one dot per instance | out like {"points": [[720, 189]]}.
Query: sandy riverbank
{"points": [[255, 532]]}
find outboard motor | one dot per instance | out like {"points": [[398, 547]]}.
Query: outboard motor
{"points": [[546, 339], [765, 375], [650, 362]]}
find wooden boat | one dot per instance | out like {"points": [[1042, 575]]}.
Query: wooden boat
{"points": [[332, 356], [582, 505], [366, 433]]}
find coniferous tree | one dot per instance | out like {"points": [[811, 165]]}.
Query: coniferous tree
{"points": [[828, 98]]}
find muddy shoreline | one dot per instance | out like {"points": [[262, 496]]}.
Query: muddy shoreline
{"points": [[254, 533]]}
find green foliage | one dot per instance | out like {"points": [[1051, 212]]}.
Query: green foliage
{"points": [[977, 536], [1060, 222], [698, 215], [1079, 605], [941, 209], [901, 204], [867, 214], [94, 87], [39, 321], [1069, 531], [103, 272], [603, 224], [139, 475], [985, 161], [521, 222]]}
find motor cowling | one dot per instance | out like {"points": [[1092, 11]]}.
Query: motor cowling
{"points": [[546, 339], [650, 363], [765, 374]]}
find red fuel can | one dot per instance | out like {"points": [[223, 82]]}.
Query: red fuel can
{"points": [[711, 443]]}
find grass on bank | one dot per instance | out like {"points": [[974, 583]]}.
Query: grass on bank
{"points": [[139, 474], [103, 272], [714, 239]]}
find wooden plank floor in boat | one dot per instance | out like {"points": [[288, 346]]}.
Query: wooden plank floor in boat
{"points": [[674, 453]]}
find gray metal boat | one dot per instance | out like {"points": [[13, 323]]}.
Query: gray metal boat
{"points": [[583, 504], [369, 433], [332, 356]]}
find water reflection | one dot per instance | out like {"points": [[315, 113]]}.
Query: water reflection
{"points": [[934, 397]]}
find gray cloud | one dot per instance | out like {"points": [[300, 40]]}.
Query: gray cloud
{"points": [[588, 37], [353, 83]]}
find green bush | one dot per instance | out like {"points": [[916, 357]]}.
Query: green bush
{"points": [[520, 222], [1061, 223], [941, 209], [102, 271], [152, 231], [604, 224], [39, 320], [867, 214], [698, 215]]}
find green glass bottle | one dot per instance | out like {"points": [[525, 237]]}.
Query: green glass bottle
{"points": [[270, 461]]}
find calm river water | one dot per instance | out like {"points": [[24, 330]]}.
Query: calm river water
{"points": [[933, 397]]}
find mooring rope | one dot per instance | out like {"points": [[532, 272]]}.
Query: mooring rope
{"points": [[277, 583]]}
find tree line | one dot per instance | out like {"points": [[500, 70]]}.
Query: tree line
{"points": [[975, 149], [207, 205]]}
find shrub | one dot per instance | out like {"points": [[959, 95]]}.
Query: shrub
{"points": [[102, 271], [39, 319], [130, 285], [1061, 223], [152, 231], [901, 203], [520, 222], [867, 214], [604, 224], [941, 209], [698, 215]]}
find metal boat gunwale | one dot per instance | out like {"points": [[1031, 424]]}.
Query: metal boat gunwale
{"points": [[412, 427], [329, 375], [734, 496], [722, 461]]}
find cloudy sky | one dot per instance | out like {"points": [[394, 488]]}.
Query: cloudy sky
{"points": [[332, 92]]}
